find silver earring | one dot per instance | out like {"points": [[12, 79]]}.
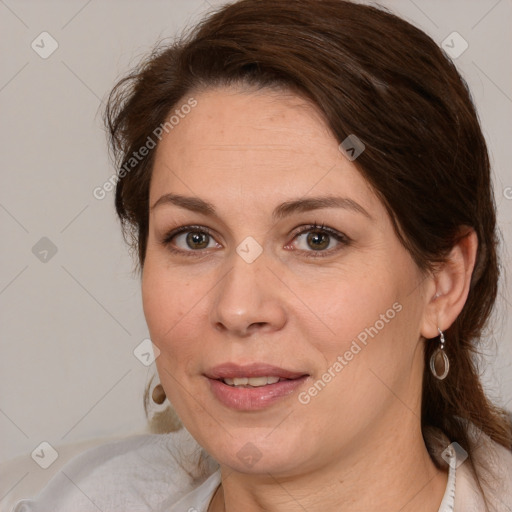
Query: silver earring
{"points": [[439, 362]]}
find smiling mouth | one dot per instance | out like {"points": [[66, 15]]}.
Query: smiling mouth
{"points": [[253, 387]]}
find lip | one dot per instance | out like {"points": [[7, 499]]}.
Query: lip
{"points": [[232, 370], [257, 398]]}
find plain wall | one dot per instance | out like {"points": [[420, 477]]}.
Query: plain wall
{"points": [[69, 325]]}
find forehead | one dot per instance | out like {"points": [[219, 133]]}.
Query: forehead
{"points": [[255, 145]]}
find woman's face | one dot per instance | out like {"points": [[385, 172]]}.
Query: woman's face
{"points": [[269, 256]]}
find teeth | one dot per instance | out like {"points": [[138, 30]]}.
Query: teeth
{"points": [[251, 381]]}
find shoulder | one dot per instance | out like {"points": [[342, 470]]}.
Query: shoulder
{"points": [[137, 473], [493, 464], [492, 472]]}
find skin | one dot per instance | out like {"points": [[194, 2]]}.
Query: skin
{"points": [[357, 445]]}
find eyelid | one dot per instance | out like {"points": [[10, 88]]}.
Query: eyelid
{"points": [[341, 238], [183, 229], [169, 236], [318, 227]]}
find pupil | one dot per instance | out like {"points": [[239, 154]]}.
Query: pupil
{"points": [[196, 240], [318, 241]]}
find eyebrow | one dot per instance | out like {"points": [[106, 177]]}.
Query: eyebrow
{"points": [[189, 203], [283, 210], [317, 203]]}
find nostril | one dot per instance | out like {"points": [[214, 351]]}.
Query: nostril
{"points": [[257, 324], [220, 327]]}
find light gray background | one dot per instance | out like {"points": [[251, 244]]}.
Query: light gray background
{"points": [[69, 325]]}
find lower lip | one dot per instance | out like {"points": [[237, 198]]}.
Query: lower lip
{"points": [[253, 399]]}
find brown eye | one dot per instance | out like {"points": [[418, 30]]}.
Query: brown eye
{"points": [[197, 240], [190, 239], [318, 240]]}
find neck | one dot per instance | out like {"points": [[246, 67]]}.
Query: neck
{"points": [[393, 474]]}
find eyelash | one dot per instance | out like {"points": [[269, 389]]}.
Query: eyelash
{"points": [[342, 239], [185, 229]]}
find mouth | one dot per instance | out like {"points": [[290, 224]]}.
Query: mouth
{"points": [[253, 387], [252, 382]]}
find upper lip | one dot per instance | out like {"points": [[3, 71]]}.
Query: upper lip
{"points": [[233, 370]]}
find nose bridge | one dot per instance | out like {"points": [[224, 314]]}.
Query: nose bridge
{"points": [[247, 297]]}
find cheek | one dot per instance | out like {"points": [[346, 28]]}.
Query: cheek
{"points": [[342, 305], [362, 330], [373, 320], [171, 304]]}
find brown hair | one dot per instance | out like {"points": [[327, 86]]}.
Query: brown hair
{"points": [[371, 74]]}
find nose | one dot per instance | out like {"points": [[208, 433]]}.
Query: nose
{"points": [[249, 299]]}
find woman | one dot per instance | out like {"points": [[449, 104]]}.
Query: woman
{"points": [[308, 190]]}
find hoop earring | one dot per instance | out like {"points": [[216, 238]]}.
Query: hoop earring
{"points": [[158, 395], [439, 362]]}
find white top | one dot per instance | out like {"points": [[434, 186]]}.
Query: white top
{"points": [[159, 473]]}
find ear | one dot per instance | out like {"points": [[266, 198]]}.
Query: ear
{"points": [[451, 285]]}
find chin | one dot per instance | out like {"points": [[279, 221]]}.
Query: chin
{"points": [[252, 454]]}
